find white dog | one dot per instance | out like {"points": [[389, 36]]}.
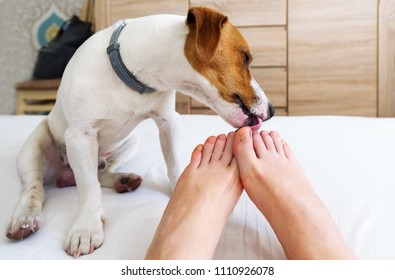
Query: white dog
{"points": [[87, 135]]}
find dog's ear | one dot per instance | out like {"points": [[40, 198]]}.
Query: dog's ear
{"points": [[205, 26]]}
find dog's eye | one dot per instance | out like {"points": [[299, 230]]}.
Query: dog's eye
{"points": [[247, 58]]}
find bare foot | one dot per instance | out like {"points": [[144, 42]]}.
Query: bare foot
{"points": [[203, 199], [278, 186]]}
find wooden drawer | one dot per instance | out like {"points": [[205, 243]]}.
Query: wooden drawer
{"points": [[273, 81], [249, 12], [268, 45], [107, 12], [119, 9], [332, 57]]}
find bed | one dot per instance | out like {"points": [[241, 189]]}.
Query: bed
{"points": [[350, 161]]}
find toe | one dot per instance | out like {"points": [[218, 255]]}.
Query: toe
{"points": [[259, 145], [243, 149], [219, 147], [268, 141], [277, 141], [227, 154], [208, 149], [196, 156]]}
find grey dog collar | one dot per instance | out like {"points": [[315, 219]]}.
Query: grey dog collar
{"points": [[119, 67]]}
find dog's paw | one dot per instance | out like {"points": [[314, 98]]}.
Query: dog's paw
{"points": [[127, 183], [23, 226], [83, 238]]}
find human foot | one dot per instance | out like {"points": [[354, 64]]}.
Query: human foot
{"points": [[278, 186], [268, 165], [204, 196]]}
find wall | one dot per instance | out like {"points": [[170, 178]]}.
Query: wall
{"points": [[19, 21]]}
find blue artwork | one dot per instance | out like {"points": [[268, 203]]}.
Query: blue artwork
{"points": [[47, 26]]}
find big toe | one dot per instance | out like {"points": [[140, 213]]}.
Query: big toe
{"points": [[243, 149]]}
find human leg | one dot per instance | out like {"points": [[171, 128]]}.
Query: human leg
{"points": [[203, 199], [278, 186]]}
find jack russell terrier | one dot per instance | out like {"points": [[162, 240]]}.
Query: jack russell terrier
{"points": [[87, 135]]}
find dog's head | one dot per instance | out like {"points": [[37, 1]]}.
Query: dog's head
{"points": [[219, 53]]}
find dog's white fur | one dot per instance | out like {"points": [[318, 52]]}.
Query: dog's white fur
{"points": [[95, 114]]}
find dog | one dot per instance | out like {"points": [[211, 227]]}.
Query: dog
{"points": [[87, 135]]}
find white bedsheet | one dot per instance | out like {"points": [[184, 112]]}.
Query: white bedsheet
{"points": [[350, 161]]}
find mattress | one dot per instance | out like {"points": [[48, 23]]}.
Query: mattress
{"points": [[349, 160]]}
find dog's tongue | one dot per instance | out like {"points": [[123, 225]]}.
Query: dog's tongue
{"points": [[257, 124]]}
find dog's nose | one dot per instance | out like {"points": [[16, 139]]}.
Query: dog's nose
{"points": [[271, 111]]}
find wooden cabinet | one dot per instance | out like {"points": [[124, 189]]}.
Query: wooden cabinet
{"points": [[311, 57], [386, 96], [249, 12], [332, 52], [108, 12]]}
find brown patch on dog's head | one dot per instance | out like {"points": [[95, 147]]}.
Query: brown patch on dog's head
{"points": [[217, 50]]}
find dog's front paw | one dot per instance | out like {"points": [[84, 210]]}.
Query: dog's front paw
{"points": [[85, 236], [22, 226]]}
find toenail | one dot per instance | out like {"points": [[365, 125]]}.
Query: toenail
{"points": [[244, 134], [211, 139]]}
